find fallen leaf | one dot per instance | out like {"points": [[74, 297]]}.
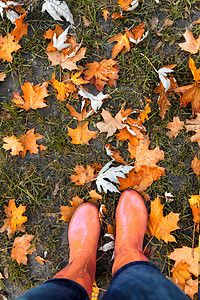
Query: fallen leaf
{"points": [[114, 154], [94, 196], [137, 35], [67, 211], [96, 101], [191, 93], [22, 247], [105, 14], [84, 112], [146, 157], [191, 44], [2, 76], [142, 179], [194, 125], [159, 225], [191, 287], [29, 140], [56, 189], [122, 45], [86, 22], [40, 260], [195, 204], [7, 46], [50, 34], [116, 16], [101, 73], [180, 274], [33, 97], [14, 221], [110, 124], [174, 127], [128, 5], [20, 29], [167, 23], [1, 276], [81, 134], [58, 9], [196, 165], [13, 144], [83, 175], [62, 89], [59, 58], [76, 79], [95, 291], [188, 255]]}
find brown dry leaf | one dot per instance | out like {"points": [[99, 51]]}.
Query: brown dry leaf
{"points": [[22, 247], [159, 225], [14, 221], [105, 14], [7, 46], [83, 175], [81, 134], [110, 124], [191, 92], [191, 287], [84, 112], [86, 22], [194, 125], [40, 260], [33, 97], [195, 204], [59, 58], [13, 144], [188, 255], [2, 76], [116, 16], [167, 23], [62, 89], [191, 44], [141, 180], [122, 45], [114, 154], [95, 196], [146, 157], [196, 165], [67, 211], [101, 73], [20, 29], [174, 127], [29, 140]]}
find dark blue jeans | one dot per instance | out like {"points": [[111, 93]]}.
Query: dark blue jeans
{"points": [[138, 280]]}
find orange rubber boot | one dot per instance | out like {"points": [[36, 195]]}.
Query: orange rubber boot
{"points": [[131, 224], [83, 234]]}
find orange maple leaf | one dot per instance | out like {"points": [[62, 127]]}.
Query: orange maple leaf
{"points": [[191, 92], [83, 175], [191, 44], [105, 14], [84, 112], [159, 225], [22, 247], [174, 127], [195, 204], [128, 5], [114, 154], [142, 179], [137, 34], [81, 134], [101, 73], [67, 211], [20, 29], [24, 143], [7, 46], [33, 96], [196, 165], [14, 221], [75, 78], [62, 89], [188, 255], [94, 196], [144, 156], [194, 125], [49, 35], [122, 45]]}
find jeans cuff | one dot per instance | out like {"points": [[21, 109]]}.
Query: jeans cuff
{"points": [[134, 263]]}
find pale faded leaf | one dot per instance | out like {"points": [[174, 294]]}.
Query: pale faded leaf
{"points": [[58, 9], [96, 101]]}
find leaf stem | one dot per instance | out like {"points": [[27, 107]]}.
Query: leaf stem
{"points": [[149, 62]]}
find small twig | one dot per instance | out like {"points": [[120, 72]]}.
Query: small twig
{"points": [[102, 289], [27, 117], [149, 62], [101, 256], [97, 51], [193, 236], [148, 244]]}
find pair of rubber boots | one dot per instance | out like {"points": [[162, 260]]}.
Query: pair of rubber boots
{"points": [[84, 231]]}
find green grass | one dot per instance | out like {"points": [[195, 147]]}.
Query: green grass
{"points": [[31, 181]]}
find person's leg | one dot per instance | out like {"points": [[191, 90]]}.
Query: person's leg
{"points": [[134, 277], [75, 281]]}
